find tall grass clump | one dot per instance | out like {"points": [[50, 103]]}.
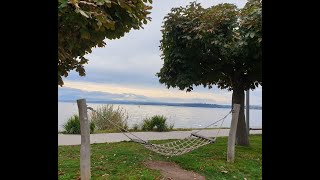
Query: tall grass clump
{"points": [[107, 112], [156, 123], [72, 126]]}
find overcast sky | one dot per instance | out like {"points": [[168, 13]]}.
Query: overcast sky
{"points": [[125, 69]]}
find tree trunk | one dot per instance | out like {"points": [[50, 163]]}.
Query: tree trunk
{"points": [[242, 138]]}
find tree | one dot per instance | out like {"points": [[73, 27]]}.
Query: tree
{"points": [[220, 45], [85, 24]]}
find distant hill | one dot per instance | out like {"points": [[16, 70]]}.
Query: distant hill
{"points": [[165, 104]]}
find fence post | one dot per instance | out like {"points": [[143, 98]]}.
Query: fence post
{"points": [[232, 133], [85, 140], [247, 112]]}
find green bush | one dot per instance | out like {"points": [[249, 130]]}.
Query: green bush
{"points": [[72, 126], [107, 112], [156, 123], [147, 125]]}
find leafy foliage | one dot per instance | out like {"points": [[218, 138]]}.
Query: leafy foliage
{"points": [[157, 123], [219, 46], [72, 126], [85, 24], [147, 125]]}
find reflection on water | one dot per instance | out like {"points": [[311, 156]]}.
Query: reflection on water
{"points": [[181, 117]]}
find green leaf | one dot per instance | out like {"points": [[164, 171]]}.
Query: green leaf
{"points": [[64, 3], [85, 35], [83, 13], [108, 3], [214, 42], [145, 21], [252, 34], [117, 14], [100, 2]]}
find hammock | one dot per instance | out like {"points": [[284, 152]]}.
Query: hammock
{"points": [[175, 148]]}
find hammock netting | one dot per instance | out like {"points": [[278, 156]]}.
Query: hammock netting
{"points": [[174, 148]]}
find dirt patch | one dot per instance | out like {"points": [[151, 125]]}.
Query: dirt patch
{"points": [[172, 171]]}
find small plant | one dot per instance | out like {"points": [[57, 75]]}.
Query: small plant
{"points": [[171, 126], [72, 126], [147, 125], [135, 127], [107, 113], [157, 123]]}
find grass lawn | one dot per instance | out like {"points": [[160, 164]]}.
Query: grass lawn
{"points": [[124, 160]]}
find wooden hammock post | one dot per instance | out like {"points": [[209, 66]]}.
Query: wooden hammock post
{"points": [[85, 140], [247, 111], [232, 133]]}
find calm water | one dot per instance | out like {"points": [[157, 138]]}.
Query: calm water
{"points": [[181, 117]]}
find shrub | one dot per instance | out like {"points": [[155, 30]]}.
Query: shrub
{"points": [[147, 125], [107, 112], [157, 123], [72, 126], [135, 127]]}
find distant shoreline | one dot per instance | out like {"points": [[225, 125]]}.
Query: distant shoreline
{"points": [[163, 104]]}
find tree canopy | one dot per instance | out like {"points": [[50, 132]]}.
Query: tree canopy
{"points": [[220, 45], [216, 46], [85, 24]]}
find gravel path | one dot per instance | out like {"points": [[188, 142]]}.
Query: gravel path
{"points": [[118, 137]]}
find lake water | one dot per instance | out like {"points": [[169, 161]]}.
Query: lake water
{"points": [[181, 117]]}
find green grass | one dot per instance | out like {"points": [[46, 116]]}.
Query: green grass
{"points": [[124, 160]]}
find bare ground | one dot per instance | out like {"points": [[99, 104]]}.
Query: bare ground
{"points": [[171, 171]]}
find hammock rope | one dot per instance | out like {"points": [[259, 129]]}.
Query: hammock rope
{"points": [[175, 148]]}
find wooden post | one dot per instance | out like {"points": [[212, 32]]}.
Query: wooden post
{"points": [[85, 140], [247, 112], [232, 133]]}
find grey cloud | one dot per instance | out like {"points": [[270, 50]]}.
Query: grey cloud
{"points": [[72, 94]]}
